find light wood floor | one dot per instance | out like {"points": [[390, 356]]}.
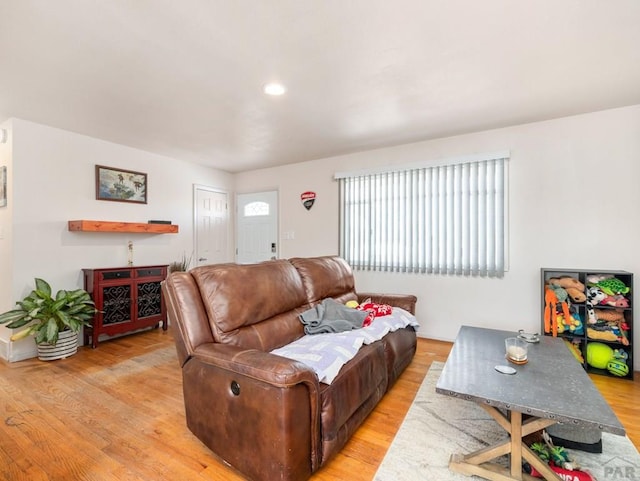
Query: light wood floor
{"points": [[116, 413]]}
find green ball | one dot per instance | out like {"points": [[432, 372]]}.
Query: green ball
{"points": [[617, 368], [598, 355]]}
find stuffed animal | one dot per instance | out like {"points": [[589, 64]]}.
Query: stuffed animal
{"points": [[572, 324], [576, 295], [611, 320], [575, 288], [610, 315], [593, 279], [607, 335], [615, 301], [618, 368], [608, 331], [566, 281], [594, 297], [620, 354], [559, 461], [551, 304], [624, 327], [612, 286], [560, 292]]}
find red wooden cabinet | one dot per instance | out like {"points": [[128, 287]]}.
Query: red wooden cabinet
{"points": [[127, 298]]}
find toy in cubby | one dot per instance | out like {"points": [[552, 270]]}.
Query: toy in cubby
{"points": [[606, 290], [618, 364], [618, 368], [602, 356], [572, 325], [608, 283], [559, 314], [603, 324], [572, 286], [610, 325], [575, 346]]}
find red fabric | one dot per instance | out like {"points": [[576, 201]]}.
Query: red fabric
{"points": [[565, 474], [374, 310]]}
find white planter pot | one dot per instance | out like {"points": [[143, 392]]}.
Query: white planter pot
{"points": [[66, 346]]}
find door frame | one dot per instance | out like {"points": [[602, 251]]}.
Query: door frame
{"points": [[194, 208]]}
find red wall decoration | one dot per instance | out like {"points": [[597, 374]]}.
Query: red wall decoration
{"points": [[308, 198]]}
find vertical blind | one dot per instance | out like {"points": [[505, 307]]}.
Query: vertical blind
{"points": [[447, 219]]}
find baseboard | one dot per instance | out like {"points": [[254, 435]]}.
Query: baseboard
{"points": [[17, 351], [4, 349]]}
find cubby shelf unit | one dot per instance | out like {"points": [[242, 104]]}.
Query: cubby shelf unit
{"points": [[583, 340]]}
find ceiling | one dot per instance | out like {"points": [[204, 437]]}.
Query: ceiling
{"points": [[184, 78]]}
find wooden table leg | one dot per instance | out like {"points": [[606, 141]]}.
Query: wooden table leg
{"points": [[478, 462], [516, 445]]}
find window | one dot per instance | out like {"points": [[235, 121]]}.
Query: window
{"points": [[447, 219], [257, 208]]}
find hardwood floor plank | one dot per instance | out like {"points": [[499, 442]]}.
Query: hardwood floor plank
{"points": [[117, 413]]}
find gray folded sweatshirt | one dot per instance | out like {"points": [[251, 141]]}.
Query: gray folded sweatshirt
{"points": [[331, 316]]}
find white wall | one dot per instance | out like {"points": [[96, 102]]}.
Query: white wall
{"points": [[574, 203], [54, 182]]}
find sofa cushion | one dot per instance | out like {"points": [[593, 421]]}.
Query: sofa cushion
{"points": [[327, 276], [255, 306], [326, 353]]}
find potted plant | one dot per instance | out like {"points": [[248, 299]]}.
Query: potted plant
{"points": [[182, 265], [53, 321]]}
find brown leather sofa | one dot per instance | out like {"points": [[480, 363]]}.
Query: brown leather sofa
{"points": [[265, 415]]}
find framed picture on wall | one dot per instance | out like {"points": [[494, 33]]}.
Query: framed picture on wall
{"points": [[3, 186], [120, 185]]}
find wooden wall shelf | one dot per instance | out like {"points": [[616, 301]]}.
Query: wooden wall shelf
{"points": [[130, 227]]}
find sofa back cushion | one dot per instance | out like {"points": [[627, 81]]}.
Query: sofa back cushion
{"points": [[255, 306], [328, 276]]}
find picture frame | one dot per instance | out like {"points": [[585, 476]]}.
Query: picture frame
{"points": [[3, 186], [120, 185]]}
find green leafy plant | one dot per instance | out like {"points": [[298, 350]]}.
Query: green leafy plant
{"points": [[45, 316]]}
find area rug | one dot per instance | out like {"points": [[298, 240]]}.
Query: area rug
{"points": [[437, 426]]}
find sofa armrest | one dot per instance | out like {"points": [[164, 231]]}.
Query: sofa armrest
{"points": [[236, 397], [403, 301], [262, 366]]}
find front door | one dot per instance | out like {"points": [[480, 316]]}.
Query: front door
{"points": [[257, 221]]}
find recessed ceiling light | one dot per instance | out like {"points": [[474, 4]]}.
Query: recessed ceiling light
{"points": [[274, 89]]}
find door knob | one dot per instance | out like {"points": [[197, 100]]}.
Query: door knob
{"points": [[202, 259]]}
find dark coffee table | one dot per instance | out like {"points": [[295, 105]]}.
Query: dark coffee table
{"points": [[551, 387]]}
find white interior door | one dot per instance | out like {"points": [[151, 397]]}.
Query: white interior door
{"points": [[257, 221], [212, 226]]}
